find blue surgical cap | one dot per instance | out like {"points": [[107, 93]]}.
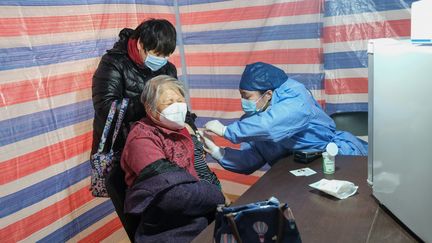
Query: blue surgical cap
{"points": [[261, 76]]}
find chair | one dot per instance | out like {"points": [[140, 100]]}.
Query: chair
{"points": [[116, 187], [355, 122]]}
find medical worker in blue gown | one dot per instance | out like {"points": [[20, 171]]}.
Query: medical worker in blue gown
{"points": [[281, 115]]}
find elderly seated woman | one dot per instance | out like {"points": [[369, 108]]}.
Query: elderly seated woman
{"points": [[164, 188]]}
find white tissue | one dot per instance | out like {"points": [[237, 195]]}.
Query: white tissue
{"points": [[336, 188]]}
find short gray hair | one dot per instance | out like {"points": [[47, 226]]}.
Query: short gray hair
{"points": [[152, 89]]}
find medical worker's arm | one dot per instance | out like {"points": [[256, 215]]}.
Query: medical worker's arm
{"points": [[282, 120], [244, 161]]}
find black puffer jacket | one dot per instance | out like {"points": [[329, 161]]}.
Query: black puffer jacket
{"points": [[117, 77]]}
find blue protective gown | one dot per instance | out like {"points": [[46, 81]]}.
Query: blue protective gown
{"points": [[293, 121]]}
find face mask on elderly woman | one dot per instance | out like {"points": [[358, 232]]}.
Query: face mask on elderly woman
{"points": [[173, 117]]}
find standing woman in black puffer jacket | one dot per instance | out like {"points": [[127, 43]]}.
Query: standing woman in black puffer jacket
{"points": [[136, 57]]}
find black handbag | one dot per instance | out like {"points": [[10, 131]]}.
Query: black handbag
{"points": [[266, 221]]}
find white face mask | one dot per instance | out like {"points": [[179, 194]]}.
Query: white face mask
{"points": [[173, 117]]}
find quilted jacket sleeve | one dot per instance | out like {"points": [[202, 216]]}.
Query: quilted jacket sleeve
{"points": [[192, 199], [107, 86]]}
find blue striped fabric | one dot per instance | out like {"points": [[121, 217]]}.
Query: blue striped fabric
{"points": [[345, 51], [82, 2], [194, 2], [83, 221], [312, 81], [39, 191], [346, 7], [23, 127], [91, 2], [21, 57], [196, 81], [206, 81], [348, 59], [200, 121], [53, 119], [279, 32]]}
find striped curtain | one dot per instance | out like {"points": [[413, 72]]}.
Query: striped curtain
{"points": [[50, 49], [348, 25], [220, 38]]}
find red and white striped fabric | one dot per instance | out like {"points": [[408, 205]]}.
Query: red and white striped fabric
{"points": [[220, 38], [348, 25], [48, 53]]}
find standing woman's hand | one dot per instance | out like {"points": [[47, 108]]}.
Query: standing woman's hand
{"points": [[215, 126]]}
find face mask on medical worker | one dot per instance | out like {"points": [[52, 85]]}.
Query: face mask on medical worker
{"points": [[173, 117], [154, 62], [250, 106]]}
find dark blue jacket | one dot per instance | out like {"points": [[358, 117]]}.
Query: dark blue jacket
{"points": [[172, 204]]}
